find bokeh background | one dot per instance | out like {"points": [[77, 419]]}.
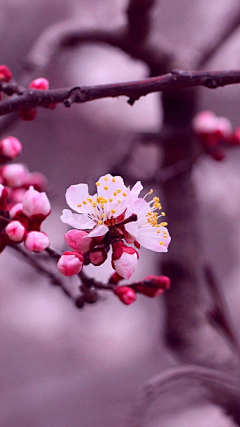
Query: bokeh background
{"points": [[66, 367]]}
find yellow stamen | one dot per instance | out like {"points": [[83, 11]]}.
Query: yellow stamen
{"points": [[163, 213], [103, 216], [119, 191], [110, 200], [94, 204], [113, 180], [124, 194], [106, 178], [161, 243], [105, 188], [151, 191], [156, 199], [90, 200], [79, 206], [84, 202], [99, 222], [97, 183], [119, 201], [163, 224], [115, 193], [113, 211]]}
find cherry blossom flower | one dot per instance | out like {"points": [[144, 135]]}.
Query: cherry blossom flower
{"points": [[147, 231], [96, 212]]}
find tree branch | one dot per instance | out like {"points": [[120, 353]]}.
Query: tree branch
{"points": [[133, 90]]}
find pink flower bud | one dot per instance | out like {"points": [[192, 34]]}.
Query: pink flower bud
{"points": [[78, 240], [98, 255], [35, 203], [124, 260], [10, 147], [39, 84], [5, 73], [70, 263], [125, 294], [14, 174], [204, 122], [15, 210], [115, 278], [28, 114], [36, 241], [153, 286], [16, 231]]}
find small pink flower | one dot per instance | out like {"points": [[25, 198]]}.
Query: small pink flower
{"points": [[39, 84], [125, 294], [36, 241], [124, 260], [70, 263], [35, 203], [16, 231], [14, 174], [10, 147], [78, 240]]}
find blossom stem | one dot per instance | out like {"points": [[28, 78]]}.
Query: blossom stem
{"points": [[131, 218]]}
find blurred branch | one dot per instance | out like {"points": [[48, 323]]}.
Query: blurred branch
{"points": [[177, 79], [139, 22], [212, 47], [222, 389], [219, 315]]}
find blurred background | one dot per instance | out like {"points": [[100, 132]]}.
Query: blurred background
{"points": [[66, 367]]}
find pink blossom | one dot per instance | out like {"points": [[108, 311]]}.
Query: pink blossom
{"points": [[10, 147], [14, 174], [70, 263], [16, 231], [35, 203], [206, 122], [78, 240], [36, 241], [98, 211]]}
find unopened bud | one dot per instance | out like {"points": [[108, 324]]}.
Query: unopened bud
{"points": [[28, 114], [14, 174], [35, 203], [16, 231], [98, 255], [5, 73], [10, 147], [36, 241], [218, 154], [124, 259], [78, 240], [125, 294], [153, 286], [39, 84], [70, 263]]}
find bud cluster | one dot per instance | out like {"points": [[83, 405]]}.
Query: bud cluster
{"points": [[23, 207], [41, 84], [215, 133]]}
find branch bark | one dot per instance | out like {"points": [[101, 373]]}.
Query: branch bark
{"points": [[133, 90]]}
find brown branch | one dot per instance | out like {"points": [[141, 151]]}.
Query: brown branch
{"points": [[205, 54], [133, 90], [139, 22]]}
